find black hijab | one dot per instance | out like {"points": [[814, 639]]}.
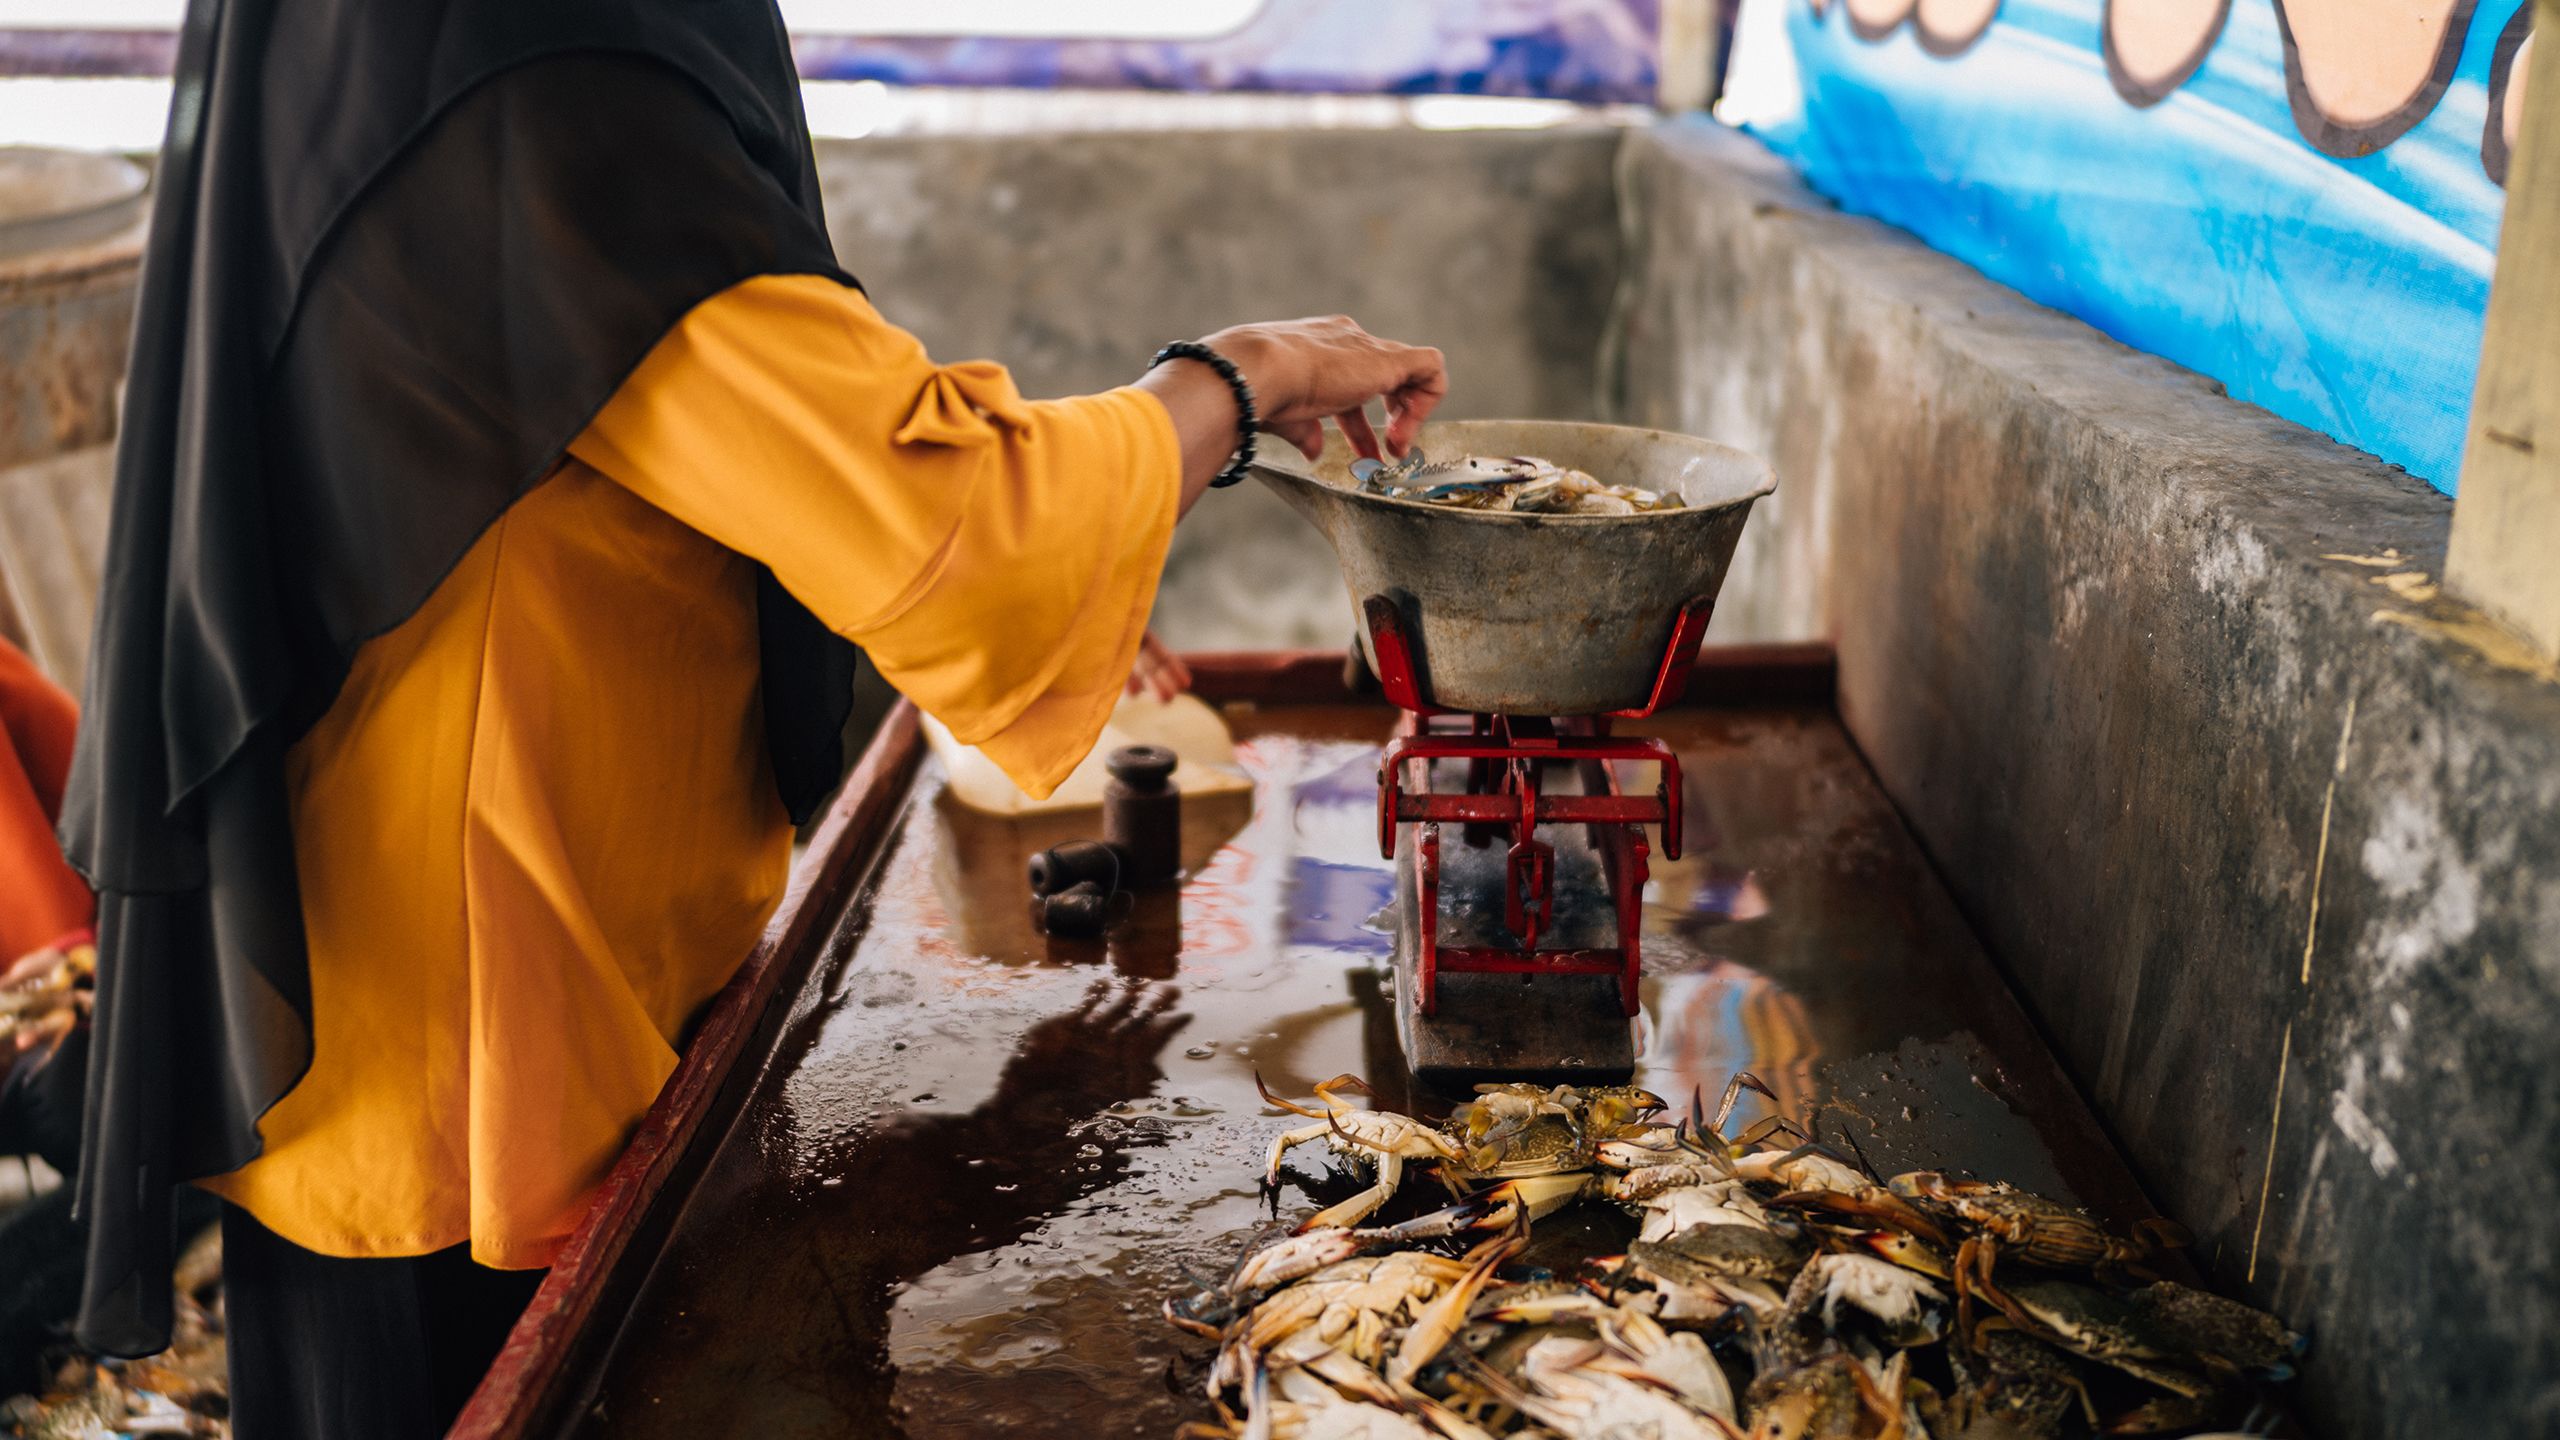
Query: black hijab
{"points": [[402, 251]]}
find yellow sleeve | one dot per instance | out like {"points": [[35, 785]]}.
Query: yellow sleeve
{"points": [[995, 557]]}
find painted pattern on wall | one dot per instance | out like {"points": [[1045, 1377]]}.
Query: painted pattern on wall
{"points": [[1587, 50], [2299, 198]]}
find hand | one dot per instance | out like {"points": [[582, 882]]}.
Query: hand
{"points": [[1159, 672], [1098, 1054], [1303, 371]]}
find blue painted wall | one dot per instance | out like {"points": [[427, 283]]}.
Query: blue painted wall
{"points": [[2346, 294]]}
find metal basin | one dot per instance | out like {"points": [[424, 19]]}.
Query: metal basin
{"points": [[59, 199], [1536, 614]]}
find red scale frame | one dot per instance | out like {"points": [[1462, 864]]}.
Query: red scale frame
{"points": [[1505, 757]]}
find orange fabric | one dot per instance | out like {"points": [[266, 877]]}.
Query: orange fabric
{"points": [[1004, 553], [537, 830], [41, 898]]}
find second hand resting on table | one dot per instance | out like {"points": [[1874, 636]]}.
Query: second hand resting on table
{"points": [[1303, 372]]}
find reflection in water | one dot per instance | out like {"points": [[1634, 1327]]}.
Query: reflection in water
{"points": [[970, 1174], [1707, 1015], [1332, 907], [1708, 1023], [982, 863]]}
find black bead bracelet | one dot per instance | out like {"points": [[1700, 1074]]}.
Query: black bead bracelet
{"points": [[1248, 420]]}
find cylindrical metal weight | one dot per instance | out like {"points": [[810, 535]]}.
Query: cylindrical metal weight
{"points": [[1078, 912], [1142, 814], [1075, 863]]}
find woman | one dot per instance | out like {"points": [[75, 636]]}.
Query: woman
{"points": [[508, 474]]}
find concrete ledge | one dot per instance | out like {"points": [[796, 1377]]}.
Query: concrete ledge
{"points": [[2271, 849]]}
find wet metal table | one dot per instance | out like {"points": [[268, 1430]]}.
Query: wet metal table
{"points": [[925, 1171]]}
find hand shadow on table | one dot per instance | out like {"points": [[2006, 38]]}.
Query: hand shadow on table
{"points": [[783, 1318]]}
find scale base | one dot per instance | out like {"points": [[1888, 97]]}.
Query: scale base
{"points": [[1553, 1029]]}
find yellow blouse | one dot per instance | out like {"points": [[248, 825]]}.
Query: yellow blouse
{"points": [[538, 829]]}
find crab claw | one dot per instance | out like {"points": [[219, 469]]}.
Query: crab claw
{"points": [[1691, 1135], [1440, 1321], [1877, 1208], [1475, 1213], [1175, 1317], [1539, 1196], [1742, 1080]]}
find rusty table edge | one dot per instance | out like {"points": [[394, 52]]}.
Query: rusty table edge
{"points": [[521, 1383]]}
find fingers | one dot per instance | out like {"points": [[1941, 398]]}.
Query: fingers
{"points": [[1153, 1002], [1355, 428], [1158, 672], [1107, 1006], [1306, 370], [1412, 402]]}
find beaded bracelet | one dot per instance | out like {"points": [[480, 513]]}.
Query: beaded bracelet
{"points": [[1247, 419]]}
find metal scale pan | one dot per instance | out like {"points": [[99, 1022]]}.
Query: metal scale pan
{"points": [[1520, 864]]}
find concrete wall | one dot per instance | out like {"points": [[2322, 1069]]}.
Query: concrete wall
{"points": [[1071, 257], [2270, 847]]}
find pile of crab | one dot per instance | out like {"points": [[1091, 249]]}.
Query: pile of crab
{"points": [[1517, 484], [1773, 1288]]}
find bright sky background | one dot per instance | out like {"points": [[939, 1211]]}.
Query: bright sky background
{"points": [[1127, 19], [128, 115]]}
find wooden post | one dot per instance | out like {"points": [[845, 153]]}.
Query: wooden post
{"points": [[1686, 61], [2505, 555]]}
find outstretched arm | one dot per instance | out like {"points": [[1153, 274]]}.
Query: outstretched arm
{"points": [[996, 557]]}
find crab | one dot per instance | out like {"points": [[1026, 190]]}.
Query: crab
{"points": [[1326, 1397], [2097, 1326], [1706, 1271], [1301, 1253], [1351, 1305], [1591, 1387], [1665, 1213], [1898, 1299], [1355, 1305], [1377, 1138], [2012, 1386], [1830, 1397], [2011, 1223], [2224, 1334], [1512, 1130]]}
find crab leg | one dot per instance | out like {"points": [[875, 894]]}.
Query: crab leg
{"points": [[1284, 1103], [1773, 1125], [1361, 1206], [1346, 1081], [1281, 1145], [1441, 1319], [1742, 1080]]}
